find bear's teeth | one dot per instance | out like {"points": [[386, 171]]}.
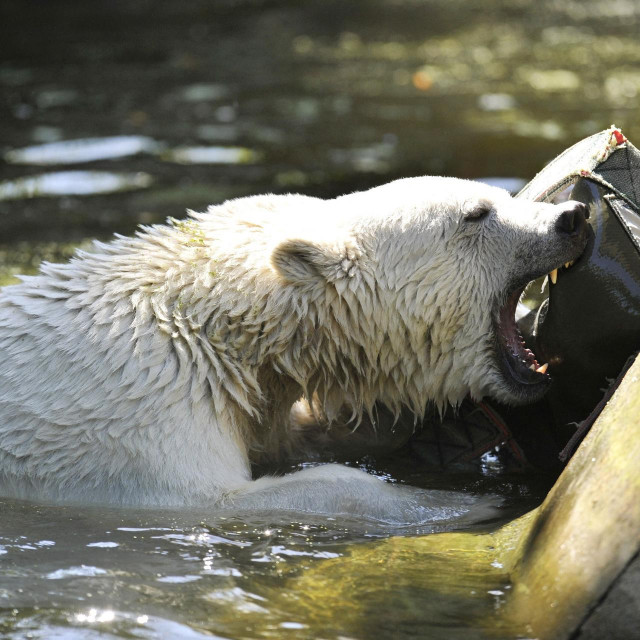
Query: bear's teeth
{"points": [[568, 264], [532, 367], [542, 368], [554, 276]]}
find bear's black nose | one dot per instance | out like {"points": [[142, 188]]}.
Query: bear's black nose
{"points": [[572, 217]]}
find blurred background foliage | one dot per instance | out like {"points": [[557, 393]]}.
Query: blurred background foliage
{"points": [[118, 113]]}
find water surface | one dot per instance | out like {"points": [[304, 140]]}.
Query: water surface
{"points": [[79, 572], [118, 113]]}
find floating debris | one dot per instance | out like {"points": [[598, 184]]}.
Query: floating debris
{"points": [[72, 183], [213, 155], [83, 150]]}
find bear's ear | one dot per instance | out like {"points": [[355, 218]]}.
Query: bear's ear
{"points": [[303, 262]]}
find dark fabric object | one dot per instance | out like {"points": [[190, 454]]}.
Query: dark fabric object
{"points": [[628, 218], [586, 329], [622, 171], [592, 323], [462, 437], [583, 428]]}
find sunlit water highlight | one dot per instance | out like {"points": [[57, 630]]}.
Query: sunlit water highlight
{"points": [[83, 150], [72, 183]]}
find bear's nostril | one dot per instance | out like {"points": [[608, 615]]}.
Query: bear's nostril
{"points": [[566, 222], [572, 218]]}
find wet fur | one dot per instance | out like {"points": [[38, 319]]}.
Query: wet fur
{"points": [[155, 369]]}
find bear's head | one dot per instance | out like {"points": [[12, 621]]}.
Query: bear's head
{"points": [[413, 286]]}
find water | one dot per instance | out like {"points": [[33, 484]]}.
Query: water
{"points": [[121, 113], [190, 104], [85, 572]]}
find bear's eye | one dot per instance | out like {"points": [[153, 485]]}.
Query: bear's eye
{"points": [[480, 211]]}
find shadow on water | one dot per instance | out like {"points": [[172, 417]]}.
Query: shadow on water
{"points": [[121, 113]]}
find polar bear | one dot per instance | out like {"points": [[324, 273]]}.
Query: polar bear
{"points": [[154, 370]]}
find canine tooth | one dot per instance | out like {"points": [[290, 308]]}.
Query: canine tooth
{"points": [[532, 367], [543, 368], [554, 276]]}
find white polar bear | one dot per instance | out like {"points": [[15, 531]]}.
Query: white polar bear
{"points": [[155, 369]]}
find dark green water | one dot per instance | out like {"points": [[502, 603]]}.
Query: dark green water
{"points": [[319, 96], [124, 112]]}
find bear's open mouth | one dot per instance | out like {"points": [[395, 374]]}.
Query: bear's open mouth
{"points": [[526, 376]]}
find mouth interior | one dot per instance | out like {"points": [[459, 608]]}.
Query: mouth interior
{"points": [[518, 359]]}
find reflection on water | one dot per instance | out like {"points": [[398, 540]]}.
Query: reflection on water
{"points": [[72, 183], [84, 150], [212, 155], [93, 149]]}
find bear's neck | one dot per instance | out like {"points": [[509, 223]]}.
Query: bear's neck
{"points": [[357, 349], [259, 347]]}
